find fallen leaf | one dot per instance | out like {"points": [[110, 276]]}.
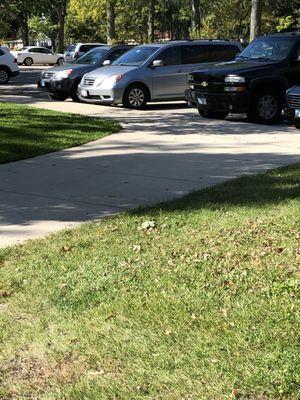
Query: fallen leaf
{"points": [[148, 225]]}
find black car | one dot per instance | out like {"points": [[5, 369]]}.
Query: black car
{"points": [[254, 83], [293, 103], [62, 82]]}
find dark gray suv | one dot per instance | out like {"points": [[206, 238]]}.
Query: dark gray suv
{"points": [[62, 82]]}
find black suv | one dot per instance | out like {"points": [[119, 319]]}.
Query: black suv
{"points": [[254, 83], [62, 82]]}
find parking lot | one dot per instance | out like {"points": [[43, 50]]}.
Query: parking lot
{"points": [[163, 152]]}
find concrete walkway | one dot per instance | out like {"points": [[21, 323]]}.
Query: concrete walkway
{"points": [[162, 153]]}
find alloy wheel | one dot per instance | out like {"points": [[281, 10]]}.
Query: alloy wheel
{"points": [[3, 76], [267, 107], [136, 97]]}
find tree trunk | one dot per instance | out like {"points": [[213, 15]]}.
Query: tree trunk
{"points": [[255, 25], [62, 19], [151, 17], [111, 27], [196, 16], [25, 30]]}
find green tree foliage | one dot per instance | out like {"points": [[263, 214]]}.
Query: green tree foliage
{"points": [[140, 20]]}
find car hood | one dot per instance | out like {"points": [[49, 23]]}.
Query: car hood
{"points": [[295, 91], [105, 72], [236, 67], [78, 69]]}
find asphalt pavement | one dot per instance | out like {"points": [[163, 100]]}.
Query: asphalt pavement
{"points": [[162, 153]]}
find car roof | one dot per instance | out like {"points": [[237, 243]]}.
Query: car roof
{"points": [[191, 42], [290, 35]]}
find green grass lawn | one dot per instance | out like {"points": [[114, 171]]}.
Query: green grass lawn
{"points": [[202, 305], [28, 132]]}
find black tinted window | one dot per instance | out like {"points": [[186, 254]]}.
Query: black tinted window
{"points": [[116, 54], [195, 54], [223, 52], [170, 56], [87, 47]]}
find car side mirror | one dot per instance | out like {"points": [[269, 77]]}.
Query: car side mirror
{"points": [[106, 63], [157, 63]]}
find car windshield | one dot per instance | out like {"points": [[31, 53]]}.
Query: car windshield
{"points": [[93, 57], [71, 48], [274, 49], [136, 57]]}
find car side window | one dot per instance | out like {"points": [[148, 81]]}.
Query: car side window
{"points": [[170, 56], [195, 54], [87, 47], [45, 51], [114, 55], [223, 52]]}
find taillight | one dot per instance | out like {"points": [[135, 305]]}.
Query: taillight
{"points": [[76, 55]]}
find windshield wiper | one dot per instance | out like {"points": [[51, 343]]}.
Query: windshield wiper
{"points": [[261, 59], [243, 57]]}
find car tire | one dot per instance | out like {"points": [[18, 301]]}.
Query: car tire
{"points": [[58, 97], [297, 123], [265, 107], [28, 61], [4, 75], [135, 97], [205, 113], [60, 61], [74, 93]]}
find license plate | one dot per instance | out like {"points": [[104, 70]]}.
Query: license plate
{"points": [[202, 101], [43, 83], [297, 113], [84, 93]]}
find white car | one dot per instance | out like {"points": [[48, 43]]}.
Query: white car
{"points": [[8, 65], [39, 55]]}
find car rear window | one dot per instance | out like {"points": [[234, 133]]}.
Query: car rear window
{"points": [[223, 52]]}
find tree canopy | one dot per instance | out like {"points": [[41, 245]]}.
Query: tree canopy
{"points": [[65, 21]]}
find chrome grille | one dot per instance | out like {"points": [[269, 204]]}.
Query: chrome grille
{"points": [[48, 75], [88, 81], [294, 101]]}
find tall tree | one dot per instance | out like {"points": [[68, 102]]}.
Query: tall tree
{"points": [[111, 24], [255, 23], [196, 16], [62, 13], [151, 16]]}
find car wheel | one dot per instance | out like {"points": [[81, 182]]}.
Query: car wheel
{"points": [[4, 76], [74, 93], [28, 61], [205, 113], [59, 97], [135, 97], [297, 123], [60, 61], [265, 107]]}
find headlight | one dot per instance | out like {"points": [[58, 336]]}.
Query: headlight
{"points": [[113, 79], [62, 75], [234, 79]]}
